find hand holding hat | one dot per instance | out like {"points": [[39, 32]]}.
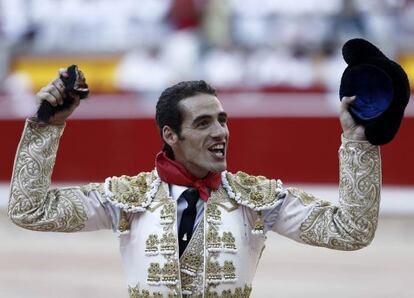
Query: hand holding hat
{"points": [[62, 95], [381, 88]]}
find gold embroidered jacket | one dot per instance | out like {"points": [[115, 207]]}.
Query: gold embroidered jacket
{"points": [[222, 256]]}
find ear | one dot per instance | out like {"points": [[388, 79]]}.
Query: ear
{"points": [[169, 136]]}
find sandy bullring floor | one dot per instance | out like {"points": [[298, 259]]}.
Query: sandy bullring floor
{"points": [[86, 265]]}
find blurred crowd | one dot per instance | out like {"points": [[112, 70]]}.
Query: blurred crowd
{"points": [[231, 44]]}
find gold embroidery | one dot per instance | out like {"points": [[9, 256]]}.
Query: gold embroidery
{"points": [[352, 225], [152, 245], [213, 213], [154, 274], [31, 205], [130, 191], [213, 272], [192, 259], [229, 242], [256, 192], [134, 292], [186, 285], [213, 239], [304, 197], [166, 275], [170, 273], [123, 222], [257, 197], [168, 213], [248, 180], [168, 243], [192, 264], [258, 224], [215, 246], [88, 188], [238, 293], [219, 198], [139, 182], [229, 271], [154, 206]]}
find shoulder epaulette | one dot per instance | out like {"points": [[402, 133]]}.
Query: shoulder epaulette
{"points": [[132, 193], [255, 192]]}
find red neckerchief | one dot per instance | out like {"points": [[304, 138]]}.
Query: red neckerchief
{"points": [[173, 172]]}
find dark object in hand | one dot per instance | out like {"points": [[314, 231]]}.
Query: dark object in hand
{"points": [[75, 83], [381, 88]]}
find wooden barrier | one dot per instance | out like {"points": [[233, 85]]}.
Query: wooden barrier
{"points": [[301, 149]]}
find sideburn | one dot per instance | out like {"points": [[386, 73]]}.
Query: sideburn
{"points": [[168, 150]]}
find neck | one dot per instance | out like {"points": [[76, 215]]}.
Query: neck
{"points": [[198, 173], [174, 172]]}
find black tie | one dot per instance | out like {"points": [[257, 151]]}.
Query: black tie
{"points": [[185, 230]]}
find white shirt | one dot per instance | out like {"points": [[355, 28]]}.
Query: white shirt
{"points": [[269, 216], [176, 191]]}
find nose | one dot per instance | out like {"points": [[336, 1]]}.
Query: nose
{"points": [[219, 131]]}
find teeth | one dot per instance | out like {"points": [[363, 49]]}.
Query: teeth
{"points": [[218, 147]]}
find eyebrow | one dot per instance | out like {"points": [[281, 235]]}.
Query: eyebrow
{"points": [[206, 116], [223, 114]]}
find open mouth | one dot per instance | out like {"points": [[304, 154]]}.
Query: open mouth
{"points": [[217, 150]]}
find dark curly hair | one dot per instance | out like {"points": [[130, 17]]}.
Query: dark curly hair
{"points": [[168, 111]]}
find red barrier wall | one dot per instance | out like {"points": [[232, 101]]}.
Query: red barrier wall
{"points": [[293, 149]]}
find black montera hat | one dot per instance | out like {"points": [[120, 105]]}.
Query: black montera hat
{"points": [[381, 88]]}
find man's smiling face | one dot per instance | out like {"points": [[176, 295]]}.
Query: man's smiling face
{"points": [[201, 146]]}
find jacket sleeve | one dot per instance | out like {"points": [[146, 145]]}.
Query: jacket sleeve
{"points": [[350, 224], [35, 206]]}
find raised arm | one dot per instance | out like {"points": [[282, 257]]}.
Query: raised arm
{"points": [[32, 205], [350, 224]]}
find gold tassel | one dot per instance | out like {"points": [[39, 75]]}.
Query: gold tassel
{"points": [[259, 224], [123, 225]]}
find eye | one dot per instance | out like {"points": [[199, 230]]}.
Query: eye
{"points": [[203, 123], [223, 120]]}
